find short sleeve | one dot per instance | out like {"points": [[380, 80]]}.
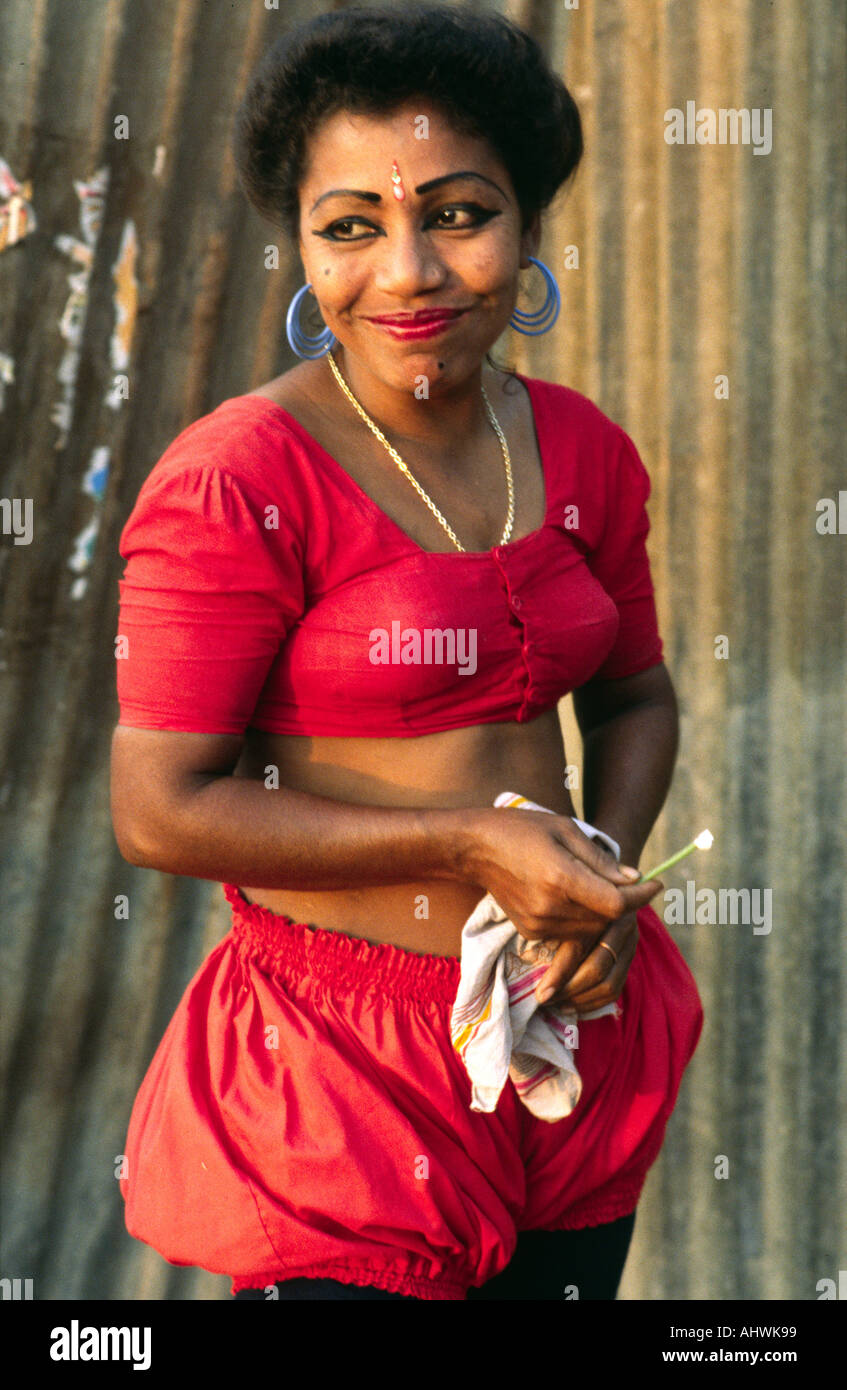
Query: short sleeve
{"points": [[621, 565], [213, 583]]}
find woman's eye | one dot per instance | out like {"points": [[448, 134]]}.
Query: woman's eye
{"points": [[337, 230], [459, 216], [476, 214]]}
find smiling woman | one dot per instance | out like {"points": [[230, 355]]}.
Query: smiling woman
{"points": [[439, 269], [306, 1121]]}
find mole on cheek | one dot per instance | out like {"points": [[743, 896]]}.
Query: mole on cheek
{"points": [[326, 272]]}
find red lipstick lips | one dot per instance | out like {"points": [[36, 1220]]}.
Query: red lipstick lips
{"points": [[424, 324]]}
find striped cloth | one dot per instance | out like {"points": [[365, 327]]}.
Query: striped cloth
{"points": [[497, 1026]]}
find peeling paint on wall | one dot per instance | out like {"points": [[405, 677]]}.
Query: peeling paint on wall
{"points": [[92, 195], [94, 483], [17, 216], [83, 554], [97, 472], [125, 298], [7, 375]]}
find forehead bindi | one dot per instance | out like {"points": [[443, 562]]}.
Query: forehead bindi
{"points": [[353, 152]]}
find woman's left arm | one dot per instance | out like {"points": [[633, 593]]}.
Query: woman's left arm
{"points": [[630, 732]]}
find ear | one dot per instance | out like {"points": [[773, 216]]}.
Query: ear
{"points": [[530, 241]]}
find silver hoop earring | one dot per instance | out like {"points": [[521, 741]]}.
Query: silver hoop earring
{"points": [[303, 343], [540, 320]]}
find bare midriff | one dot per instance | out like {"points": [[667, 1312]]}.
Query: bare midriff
{"points": [[455, 768]]}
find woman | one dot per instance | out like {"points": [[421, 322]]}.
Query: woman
{"points": [[305, 1123]]}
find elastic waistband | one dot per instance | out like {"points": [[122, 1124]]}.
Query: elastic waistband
{"points": [[297, 953]]}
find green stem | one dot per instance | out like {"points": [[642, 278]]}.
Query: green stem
{"points": [[668, 863]]}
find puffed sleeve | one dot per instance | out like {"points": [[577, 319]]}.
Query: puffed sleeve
{"points": [[621, 565], [213, 582]]}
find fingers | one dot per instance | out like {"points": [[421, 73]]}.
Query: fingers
{"points": [[598, 882], [572, 922], [581, 927], [593, 890], [609, 989], [590, 852], [586, 980], [565, 963], [639, 894]]}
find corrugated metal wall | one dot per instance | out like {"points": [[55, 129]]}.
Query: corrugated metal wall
{"points": [[138, 255]]}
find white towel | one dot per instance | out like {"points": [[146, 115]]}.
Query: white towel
{"points": [[498, 1028]]}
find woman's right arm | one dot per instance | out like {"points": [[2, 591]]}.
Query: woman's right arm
{"points": [[176, 807]]}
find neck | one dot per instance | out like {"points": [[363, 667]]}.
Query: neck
{"points": [[453, 411]]}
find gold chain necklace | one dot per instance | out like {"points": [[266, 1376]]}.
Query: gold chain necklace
{"points": [[404, 469]]}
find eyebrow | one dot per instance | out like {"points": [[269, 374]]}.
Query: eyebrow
{"points": [[421, 188]]}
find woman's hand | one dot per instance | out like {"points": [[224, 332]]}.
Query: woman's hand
{"points": [[558, 886], [599, 978]]}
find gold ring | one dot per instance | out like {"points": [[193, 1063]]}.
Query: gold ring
{"points": [[608, 948]]}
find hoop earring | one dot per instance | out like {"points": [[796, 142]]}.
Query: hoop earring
{"points": [[540, 320], [302, 343]]}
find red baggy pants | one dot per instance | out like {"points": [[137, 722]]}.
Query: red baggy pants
{"points": [[305, 1115]]}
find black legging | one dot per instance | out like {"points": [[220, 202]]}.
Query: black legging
{"points": [[546, 1265]]}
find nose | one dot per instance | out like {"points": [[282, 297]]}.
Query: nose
{"points": [[408, 265]]}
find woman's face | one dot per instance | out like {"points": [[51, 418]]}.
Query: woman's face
{"points": [[366, 253]]}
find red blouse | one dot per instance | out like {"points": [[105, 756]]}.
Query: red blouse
{"points": [[263, 587]]}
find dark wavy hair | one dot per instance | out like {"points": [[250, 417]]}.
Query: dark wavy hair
{"points": [[489, 78]]}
